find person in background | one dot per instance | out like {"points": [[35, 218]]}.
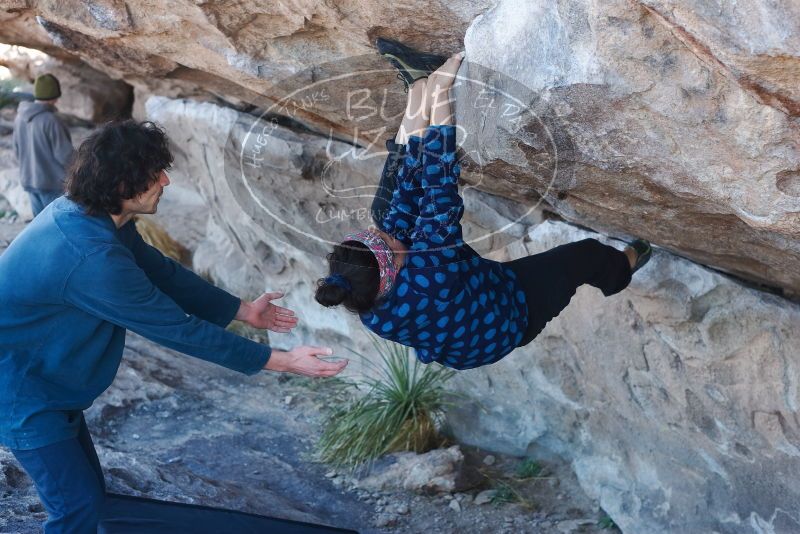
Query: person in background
{"points": [[42, 144], [71, 285]]}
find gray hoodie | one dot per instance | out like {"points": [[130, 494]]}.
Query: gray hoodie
{"points": [[42, 145]]}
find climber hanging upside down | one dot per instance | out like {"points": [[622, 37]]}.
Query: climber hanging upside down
{"points": [[414, 281]]}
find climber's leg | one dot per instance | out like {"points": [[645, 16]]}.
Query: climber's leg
{"points": [[438, 88], [416, 117], [551, 278]]}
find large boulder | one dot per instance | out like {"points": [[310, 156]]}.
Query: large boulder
{"points": [[673, 121], [677, 400], [238, 51], [676, 123]]}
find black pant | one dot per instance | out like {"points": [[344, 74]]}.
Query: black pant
{"points": [[388, 183], [551, 278]]}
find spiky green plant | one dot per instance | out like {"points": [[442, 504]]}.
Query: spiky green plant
{"points": [[507, 493], [403, 401], [529, 468]]}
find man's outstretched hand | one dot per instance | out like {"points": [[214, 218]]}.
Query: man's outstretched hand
{"points": [[262, 313], [305, 361]]}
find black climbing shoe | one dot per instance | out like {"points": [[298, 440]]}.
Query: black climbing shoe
{"points": [[643, 253], [410, 64]]}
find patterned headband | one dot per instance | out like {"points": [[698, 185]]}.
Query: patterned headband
{"points": [[383, 254]]}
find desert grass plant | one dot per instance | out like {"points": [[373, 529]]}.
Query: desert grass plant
{"points": [[516, 487], [529, 468], [401, 403]]}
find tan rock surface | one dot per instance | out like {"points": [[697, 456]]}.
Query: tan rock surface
{"points": [[657, 138], [237, 50], [677, 122]]}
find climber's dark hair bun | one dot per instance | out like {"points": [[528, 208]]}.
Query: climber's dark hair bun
{"points": [[353, 280]]}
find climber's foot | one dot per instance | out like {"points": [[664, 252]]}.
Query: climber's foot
{"points": [[410, 64], [638, 253]]}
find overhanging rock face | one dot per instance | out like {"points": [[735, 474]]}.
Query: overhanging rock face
{"points": [[267, 230], [239, 51], [673, 120]]}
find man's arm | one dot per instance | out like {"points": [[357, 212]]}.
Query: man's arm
{"points": [[201, 298], [109, 285], [193, 294]]}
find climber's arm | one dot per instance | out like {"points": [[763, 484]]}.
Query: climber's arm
{"points": [[404, 206], [438, 226]]}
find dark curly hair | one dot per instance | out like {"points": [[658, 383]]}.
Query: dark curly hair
{"points": [[119, 161], [357, 265]]}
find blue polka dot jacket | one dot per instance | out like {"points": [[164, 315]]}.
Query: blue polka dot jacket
{"points": [[451, 305]]}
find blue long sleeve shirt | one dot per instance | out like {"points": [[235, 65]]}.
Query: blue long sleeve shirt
{"points": [[450, 304], [70, 286]]}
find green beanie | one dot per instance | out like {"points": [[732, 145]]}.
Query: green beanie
{"points": [[46, 87]]}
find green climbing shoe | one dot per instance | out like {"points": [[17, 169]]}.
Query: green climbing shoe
{"points": [[643, 253], [410, 64]]}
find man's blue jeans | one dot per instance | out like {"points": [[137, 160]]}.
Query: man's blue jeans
{"points": [[69, 481], [40, 198]]}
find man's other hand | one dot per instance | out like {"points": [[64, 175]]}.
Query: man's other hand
{"points": [[262, 313], [305, 361]]}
